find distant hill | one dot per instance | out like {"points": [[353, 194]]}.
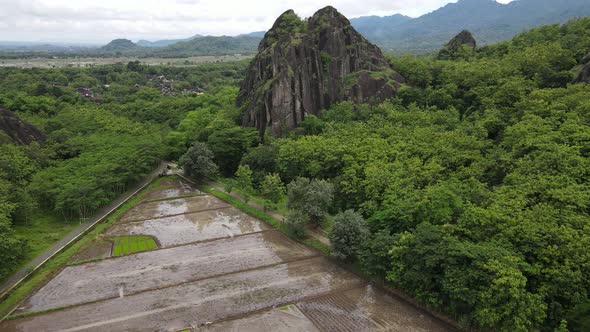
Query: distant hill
{"points": [[41, 47], [165, 42], [488, 20], [210, 45], [377, 27], [258, 34], [120, 45]]}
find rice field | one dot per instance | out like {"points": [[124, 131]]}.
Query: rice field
{"points": [[124, 245]]}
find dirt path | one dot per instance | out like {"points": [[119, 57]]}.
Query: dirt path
{"points": [[41, 259]]}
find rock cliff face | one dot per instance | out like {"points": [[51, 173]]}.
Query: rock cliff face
{"points": [[584, 74], [303, 67], [454, 46], [14, 130]]}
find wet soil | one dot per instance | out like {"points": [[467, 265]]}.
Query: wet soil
{"points": [[367, 309], [172, 188], [150, 270], [220, 270], [97, 249], [287, 318], [196, 303], [172, 207], [172, 183], [192, 227]]}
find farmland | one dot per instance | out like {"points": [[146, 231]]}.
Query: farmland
{"points": [[230, 270]]}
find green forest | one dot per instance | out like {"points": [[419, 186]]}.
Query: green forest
{"points": [[473, 181], [105, 128], [469, 190]]}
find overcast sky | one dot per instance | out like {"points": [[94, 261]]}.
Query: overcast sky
{"points": [[99, 21]]}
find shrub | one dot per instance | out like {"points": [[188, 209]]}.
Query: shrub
{"points": [[348, 235], [295, 222]]}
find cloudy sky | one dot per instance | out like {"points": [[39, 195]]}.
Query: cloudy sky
{"points": [[99, 21]]}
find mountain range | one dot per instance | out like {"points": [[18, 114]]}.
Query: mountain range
{"points": [[165, 42], [488, 20]]}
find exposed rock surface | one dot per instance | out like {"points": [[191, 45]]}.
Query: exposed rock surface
{"points": [[303, 67], [14, 130], [456, 44], [584, 75]]}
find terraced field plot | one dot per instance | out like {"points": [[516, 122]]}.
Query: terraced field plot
{"points": [[231, 272], [149, 270], [159, 209], [124, 245], [223, 222]]}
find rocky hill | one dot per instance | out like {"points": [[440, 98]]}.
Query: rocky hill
{"points": [[14, 130], [452, 50], [302, 67]]}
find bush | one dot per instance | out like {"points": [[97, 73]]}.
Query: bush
{"points": [[374, 256], [229, 185], [272, 188], [310, 197], [197, 162], [243, 180], [348, 235], [295, 222]]}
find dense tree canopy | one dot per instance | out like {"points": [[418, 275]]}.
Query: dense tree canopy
{"points": [[475, 180], [106, 128]]}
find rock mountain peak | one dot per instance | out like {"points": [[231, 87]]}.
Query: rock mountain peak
{"points": [[304, 66]]}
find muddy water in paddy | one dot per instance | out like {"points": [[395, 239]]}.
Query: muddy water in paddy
{"points": [[172, 188], [367, 309], [278, 319], [192, 227], [236, 278], [169, 193], [97, 249], [172, 207], [198, 302], [150, 270]]}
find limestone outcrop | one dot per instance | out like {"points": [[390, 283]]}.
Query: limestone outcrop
{"points": [[14, 130], [304, 66]]}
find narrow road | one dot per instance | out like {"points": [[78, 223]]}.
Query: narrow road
{"points": [[14, 279]]}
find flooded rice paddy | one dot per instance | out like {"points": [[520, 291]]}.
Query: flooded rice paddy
{"points": [[219, 270], [225, 221]]}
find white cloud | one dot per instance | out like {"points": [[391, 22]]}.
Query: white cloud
{"points": [[103, 20]]}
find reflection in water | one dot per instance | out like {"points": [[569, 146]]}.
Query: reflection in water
{"points": [[176, 206], [192, 227]]}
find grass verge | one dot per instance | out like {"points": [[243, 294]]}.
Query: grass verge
{"points": [[60, 260], [41, 233]]}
